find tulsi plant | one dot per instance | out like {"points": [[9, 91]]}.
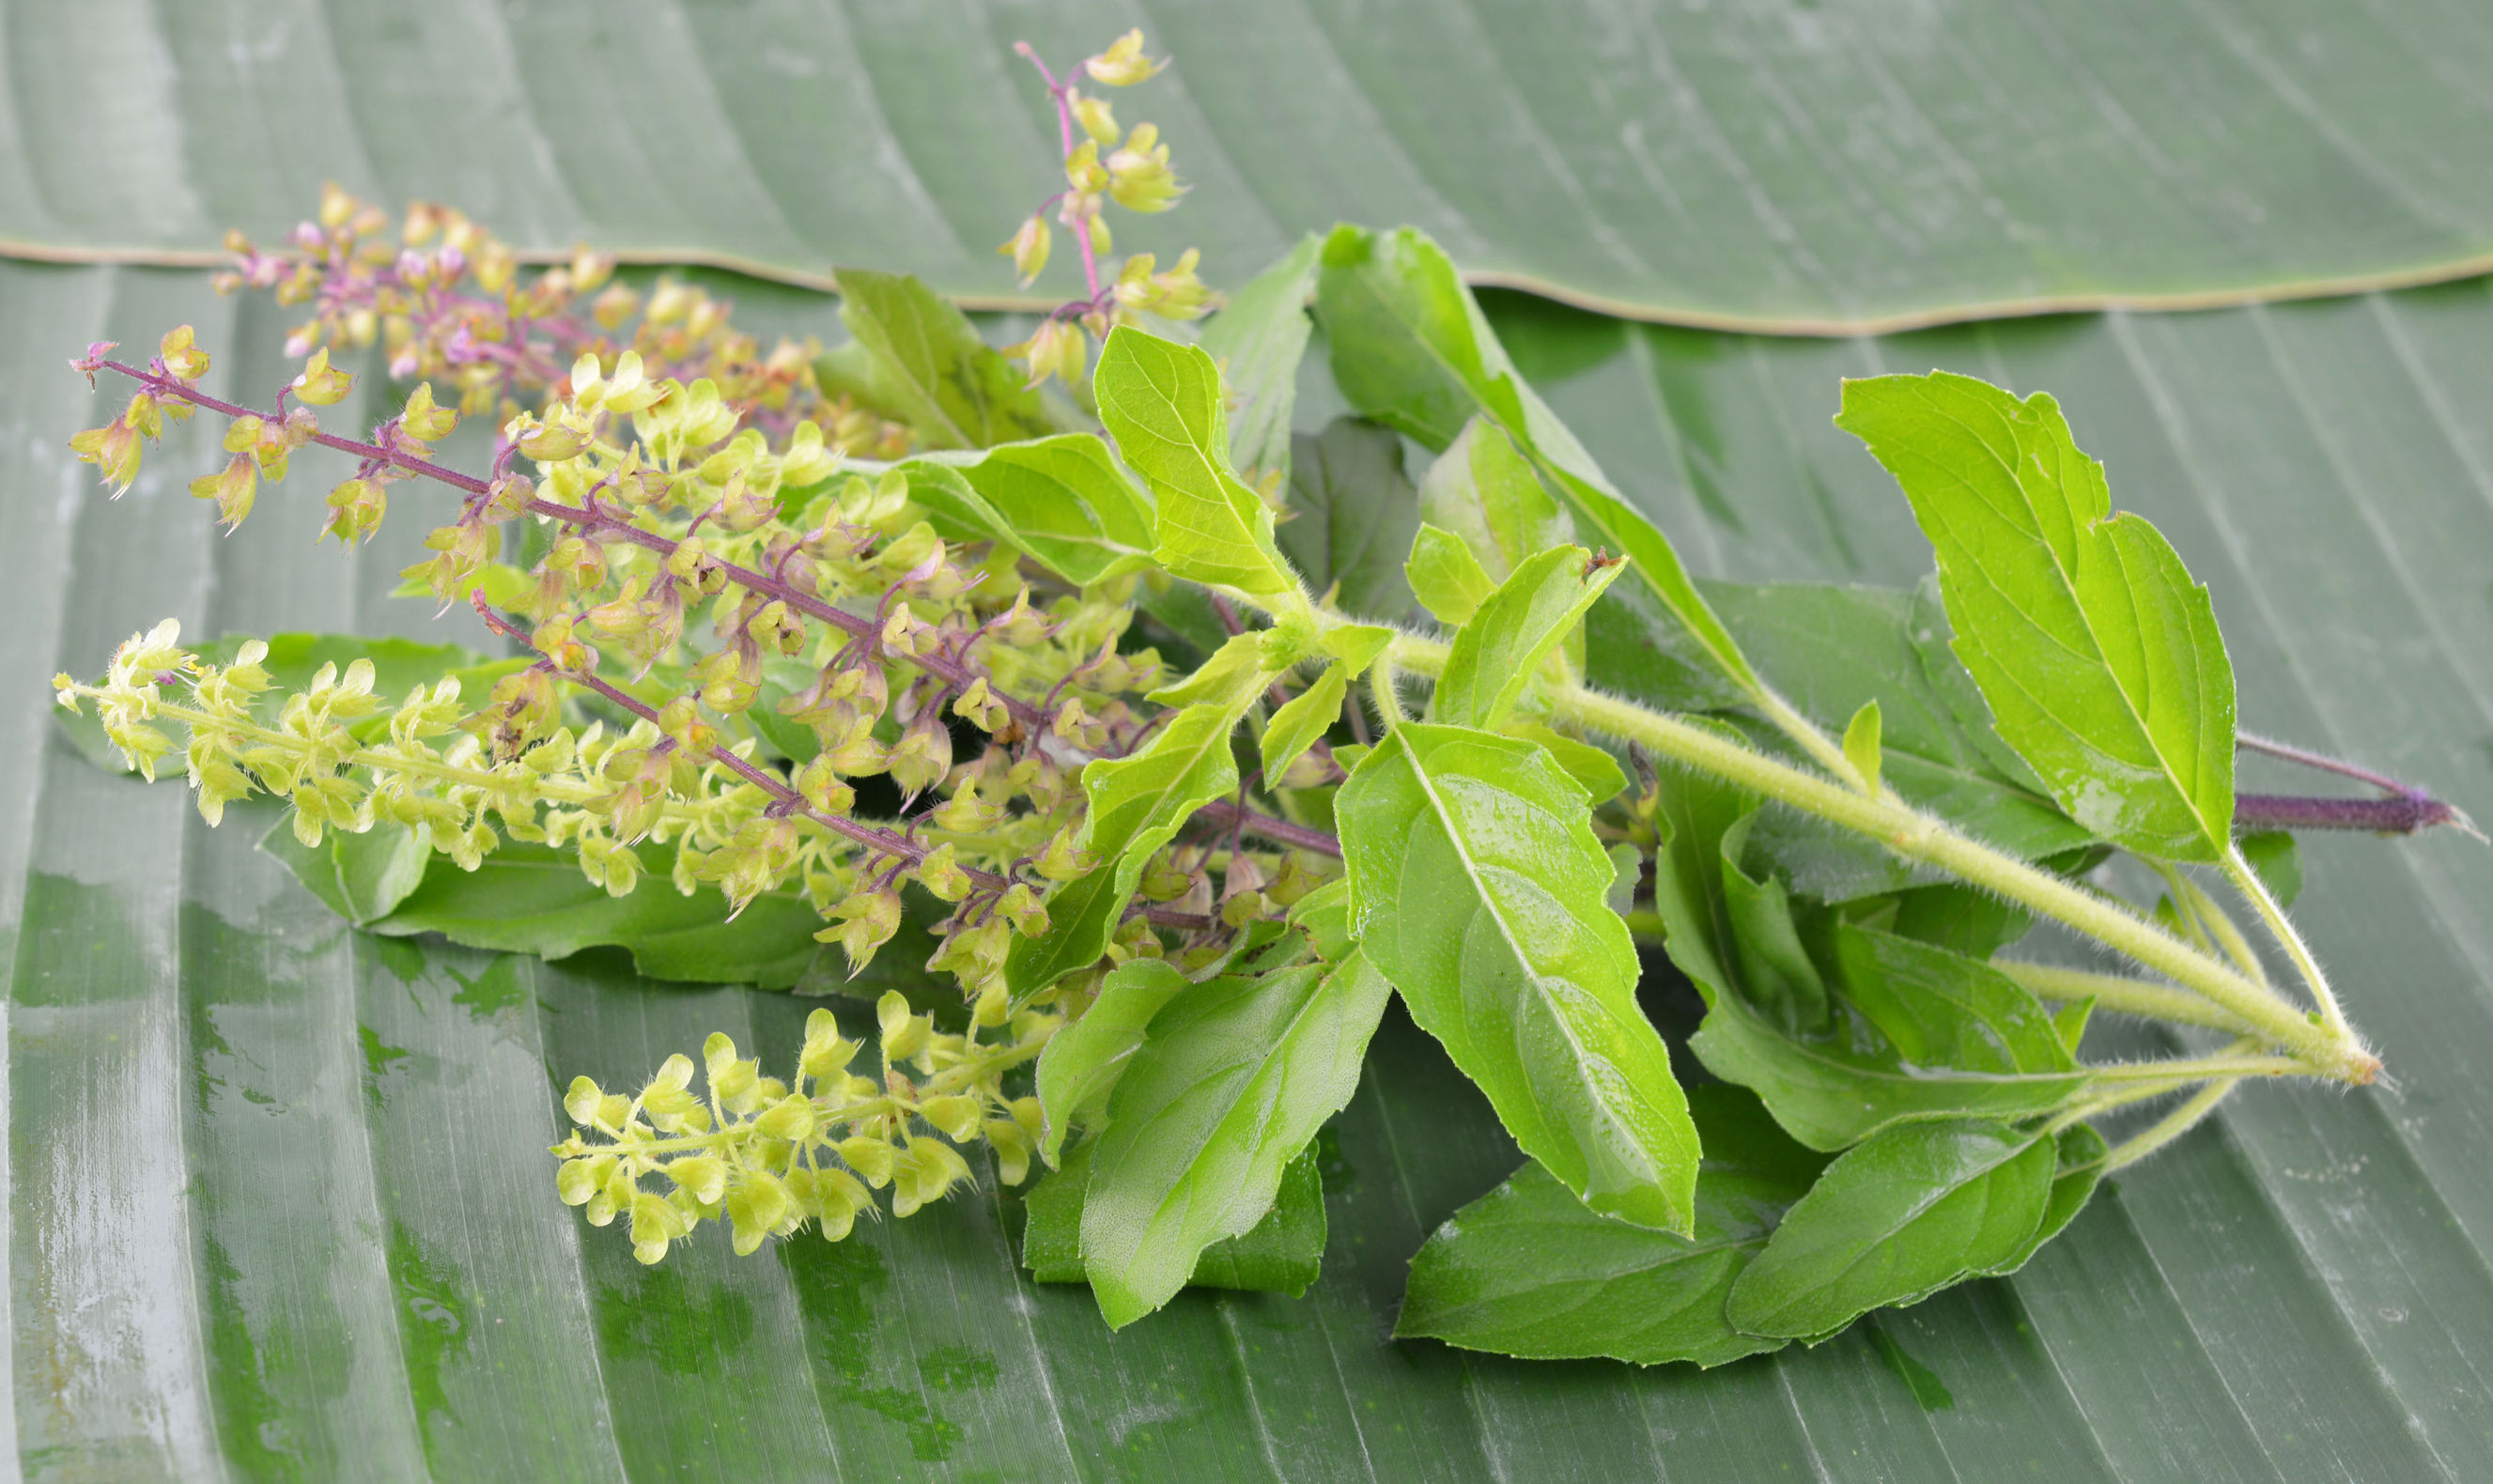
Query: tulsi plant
{"points": [[1181, 743]]}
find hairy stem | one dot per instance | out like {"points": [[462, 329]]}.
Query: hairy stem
{"points": [[2119, 993], [2172, 1125], [2328, 1050], [2196, 1068], [2237, 868]]}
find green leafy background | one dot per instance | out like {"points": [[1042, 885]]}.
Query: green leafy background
{"points": [[277, 1195], [1752, 162]]}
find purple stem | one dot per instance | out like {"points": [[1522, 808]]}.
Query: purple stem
{"points": [[1080, 224], [2402, 813]]}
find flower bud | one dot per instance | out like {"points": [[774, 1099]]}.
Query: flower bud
{"points": [[1027, 249], [183, 359], [702, 1176], [792, 1118], [871, 1158], [1123, 64], [1058, 348], [1096, 118], [321, 384], [233, 489]]}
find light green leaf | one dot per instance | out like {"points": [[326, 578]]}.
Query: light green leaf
{"points": [[1138, 803], [1484, 490], [1062, 499], [1410, 348], [1234, 1078], [1257, 341], [1303, 719], [1529, 1270], [1477, 887], [1447, 577], [1892, 1221], [2099, 653], [1500, 647], [1861, 742], [1354, 515], [928, 368], [1281, 1254], [1162, 404], [1594, 767], [1082, 1062]]}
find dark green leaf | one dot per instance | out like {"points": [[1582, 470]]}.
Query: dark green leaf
{"points": [[927, 367], [1500, 647], [530, 898], [1836, 1085], [2097, 652], [2078, 1168], [1355, 516], [1258, 339], [1529, 1270], [1163, 403], [1477, 887], [1232, 1078], [1062, 499], [1892, 1221], [1281, 1254]]}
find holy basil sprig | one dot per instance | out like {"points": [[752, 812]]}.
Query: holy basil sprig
{"points": [[852, 652]]}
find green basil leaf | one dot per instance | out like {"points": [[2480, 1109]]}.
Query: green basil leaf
{"points": [[1444, 576], [1082, 1062], [1354, 516], [1324, 916], [1233, 1080], [1942, 1010], [1482, 490], [1163, 403], [1281, 1254], [1257, 341], [1411, 349], [1138, 803], [1062, 500], [1498, 651], [1892, 1221], [361, 877], [1958, 918], [1776, 973], [1592, 766], [2097, 653], [2078, 1168], [926, 366], [1530, 1270], [1478, 889], [1834, 1085], [532, 899], [1303, 719]]}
